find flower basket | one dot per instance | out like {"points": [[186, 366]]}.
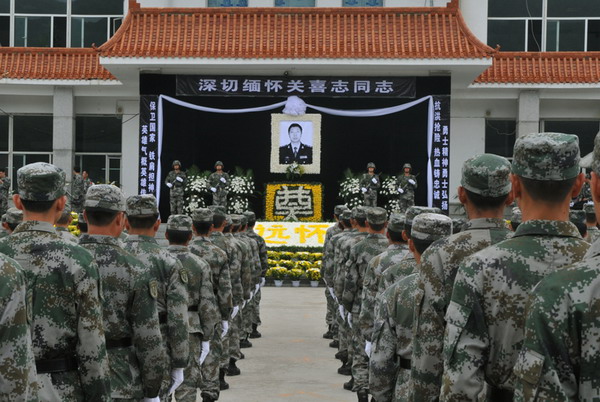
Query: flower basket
{"points": [[278, 283], [277, 273], [296, 284]]}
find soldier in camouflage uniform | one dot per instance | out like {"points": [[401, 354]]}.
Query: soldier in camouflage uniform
{"points": [[577, 218], [87, 182], [356, 266], [484, 193], [176, 180], [591, 223], [515, 219], [213, 368], [407, 183], [137, 356], [142, 224], [4, 191], [77, 190], [264, 266], [66, 315], [203, 312], [485, 319], [560, 352], [12, 218], [257, 274], [62, 225], [369, 184], [390, 362], [219, 184], [17, 365]]}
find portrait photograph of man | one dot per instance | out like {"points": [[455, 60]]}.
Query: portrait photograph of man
{"points": [[294, 149], [295, 139]]}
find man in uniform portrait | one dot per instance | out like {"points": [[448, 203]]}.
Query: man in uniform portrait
{"points": [[295, 151]]}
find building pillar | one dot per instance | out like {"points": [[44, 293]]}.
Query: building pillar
{"points": [[529, 113], [63, 129]]}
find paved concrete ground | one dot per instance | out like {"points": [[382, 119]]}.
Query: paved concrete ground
{"points": [[292, 361]]}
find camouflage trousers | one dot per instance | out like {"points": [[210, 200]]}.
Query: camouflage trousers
{"points": [[370, 201], [406, 203], [192, 375], [176, 202], [247, 319], [360, 360], [220, 199], [3, 205], [61, 386], [224, 358], [235, 328], [256, 315], [331, 308], [403, 388]]}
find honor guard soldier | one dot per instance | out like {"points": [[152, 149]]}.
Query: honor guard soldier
{"points": [[219, 185], [369, 184], [176, 180], [407, 183]]}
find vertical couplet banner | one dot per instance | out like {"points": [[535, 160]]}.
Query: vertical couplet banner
{"points": [[148, 169], [440, 152]]}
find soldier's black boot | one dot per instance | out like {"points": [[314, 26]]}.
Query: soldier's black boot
{"points": [[233, 369], [334, 344], [242, 356], [255, 334], [363, 395], [349, 385], [342, 355], [207, 398], [328, 334], [222, 384], [245, 343], [346, 368]]}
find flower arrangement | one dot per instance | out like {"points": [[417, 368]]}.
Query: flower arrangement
{"points": [[313, 274], [350, 190], [295, 274], [294, 202], [389, 187], [294, 171], [73, 226], [278, 273]]}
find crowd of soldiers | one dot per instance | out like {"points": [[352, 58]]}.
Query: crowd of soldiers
{"points": [[115, 316], [422, 309]]}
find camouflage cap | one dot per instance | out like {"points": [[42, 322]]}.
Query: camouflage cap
{"points": [[176, 162], [81, 218], [596, 155], [218, 210], [359, 212], [458, 223], [182, 223], [244, 220], [516, 215], [376, 216], [236, 220], [431, 227], [371, 165], [141, 205], [250, 216], [589, 208], [219, 163], [204, 215], [546, 156], [337, 211], [413, 211], [41, 181], [407, 165], [13, 216], [228, 220], [104, 197], [347, 215], [396, 222], [3, 219], [487, 175], [577, 216]]}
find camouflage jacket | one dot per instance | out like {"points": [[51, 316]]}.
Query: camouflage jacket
{"points": [[221, 280], [408, 188], [372, 186], [172, 294], [243, 252], [203, 312], [593, 234], [214, 180], [439, 264], [18, 380], [130, 311], [178, 185], [77, 189], [360, 256], [392, 341], [328, 261], [392, 255], [342, 255], [485, 319], [254, 257], [234, 260], [329, 234], [262, 250], [66, 309], [397, 272], [5, 188], [66, 235]]}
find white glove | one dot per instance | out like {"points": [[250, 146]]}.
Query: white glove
{"points": [[225, 328], [350, 320], [245, 301], [342, 312], [411, 181], [331, 293], [400, 190], [169, 185], [155, 399], [368, 346], [251, 297], [236, 310], [213, 189], [364, 190], [256, 287], [223, 180], [179, 179], [204, 351], [374, 180], [262, 282], [176, 379]]}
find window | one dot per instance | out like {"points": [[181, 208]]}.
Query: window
{"points": [[565, 35], [32, 133], [5, 6], [98, 134], [515, 8], [363, 3], [500, 137], [87, 7], [3, 134], [33, 31], [586, 131], [294, 3], [228, 3], [41, 6]]}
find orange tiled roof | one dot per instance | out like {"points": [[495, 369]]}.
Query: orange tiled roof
{"points": [[296, 33], [543, 68], [51, 64]]}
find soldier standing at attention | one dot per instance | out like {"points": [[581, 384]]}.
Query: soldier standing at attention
{"points": [[87, 182], [369, 184], [262, 252], [77, 190], [219, 183], [4, 191], [484, 193], [62, 225], [143, 223], [407, 183], [176, 182], [203, 312], [591, 222], [11, 219], [137, 357], [558, 359], [66, 316], [485, 320]]}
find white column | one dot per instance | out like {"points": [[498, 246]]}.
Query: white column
{"points": [[63, 129], [130, 138], [528, 120]]}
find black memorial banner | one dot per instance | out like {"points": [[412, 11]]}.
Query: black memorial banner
{"points": [[440, 152], [331, 87], [148, 147]]}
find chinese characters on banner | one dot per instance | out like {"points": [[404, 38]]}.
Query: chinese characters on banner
{"points": [[305, 234], [440, 157], [297, 201], [395, 87], [148, 145]]}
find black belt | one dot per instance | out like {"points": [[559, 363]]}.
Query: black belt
{"points": [[405, 363], [118, 343], [500, 394], [56, 365], [162, 317], [193, 308]]}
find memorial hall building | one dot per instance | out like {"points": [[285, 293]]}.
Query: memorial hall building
{"points": [[81, 82]]}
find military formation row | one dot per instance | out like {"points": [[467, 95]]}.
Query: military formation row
{"points": [[114, 316], [419, 313]]}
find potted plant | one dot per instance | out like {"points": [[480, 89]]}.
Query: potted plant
{"points": [[314, 275], [295, 274], [278, 274]]}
